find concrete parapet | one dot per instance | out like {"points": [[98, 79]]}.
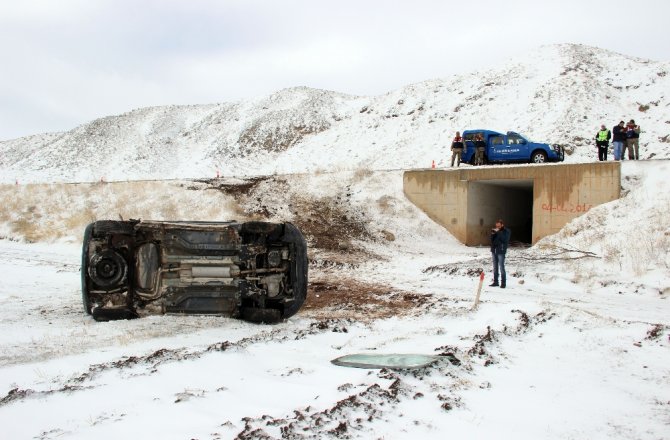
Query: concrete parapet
{"points": [[534, 200]]}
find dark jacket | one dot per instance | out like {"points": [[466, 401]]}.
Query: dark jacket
{"points": [[632, 131], [500, 240], [618, 134]]}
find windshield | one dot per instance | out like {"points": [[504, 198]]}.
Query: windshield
{"points": [[516, 138]]}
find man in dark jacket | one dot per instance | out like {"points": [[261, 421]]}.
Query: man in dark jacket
{"points": [[618, 140], [499, 241], [603, 142]]}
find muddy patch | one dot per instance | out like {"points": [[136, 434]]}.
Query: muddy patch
{"points": [[359, 301]]}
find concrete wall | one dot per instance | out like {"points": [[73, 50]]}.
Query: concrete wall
{"points": [[468, 201]]}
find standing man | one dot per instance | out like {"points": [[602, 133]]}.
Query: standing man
{"points": [[618, 139], [499, 241], [633, 140], [603, 142], [457, 149], [480, 148]]}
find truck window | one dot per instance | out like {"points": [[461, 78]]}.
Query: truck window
{"points": [[471, 136], [496, 140], [514, 139]]}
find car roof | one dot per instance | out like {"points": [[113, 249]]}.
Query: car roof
{"points": [[484, 132]]}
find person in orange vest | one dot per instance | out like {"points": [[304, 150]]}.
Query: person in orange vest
{"points": [[457, 146]]}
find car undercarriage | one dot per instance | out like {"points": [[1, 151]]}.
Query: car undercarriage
{"points": [[256, 271]]}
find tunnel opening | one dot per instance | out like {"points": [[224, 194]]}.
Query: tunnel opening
{"points": [[510, 200]]}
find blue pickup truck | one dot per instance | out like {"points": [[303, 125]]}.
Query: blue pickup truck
{"points": [[510, 147]]}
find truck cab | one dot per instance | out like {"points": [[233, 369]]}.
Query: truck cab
{"points": [[510, 147]]}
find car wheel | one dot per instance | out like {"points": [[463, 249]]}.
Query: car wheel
{"points": [[538, 157], [105, 227], [84, 269], [292, 234], [103, 315], [107, 269], [258, 315]]}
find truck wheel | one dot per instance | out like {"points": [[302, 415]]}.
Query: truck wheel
{"points": [[538, 157]]}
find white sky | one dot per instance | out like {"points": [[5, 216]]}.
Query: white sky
{"points": [[66, 62]]}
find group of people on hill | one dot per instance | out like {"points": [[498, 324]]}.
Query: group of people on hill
{"points": [[624, 137]]}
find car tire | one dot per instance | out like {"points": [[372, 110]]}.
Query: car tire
{"points": [[108, 269], [292, 234], [106, 227], [260, 228], [104, 315], [84, 268], [538, 157], [260, 315]]}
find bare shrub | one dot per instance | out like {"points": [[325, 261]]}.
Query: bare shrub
{"points": [[612, 254], [385, 203], [648, 251], [361, 174], [78, 220]]}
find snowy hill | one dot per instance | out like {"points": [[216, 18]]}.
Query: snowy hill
{"points": [[557, 94], [576, 346]]}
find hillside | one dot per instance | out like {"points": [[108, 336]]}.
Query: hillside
{"points": [[558, 94]]}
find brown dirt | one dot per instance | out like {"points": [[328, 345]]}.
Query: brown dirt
{"points": [[234, 189], [328, 223], [359, 301]]}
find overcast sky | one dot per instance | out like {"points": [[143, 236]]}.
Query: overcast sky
{"points": [[66, 62]]}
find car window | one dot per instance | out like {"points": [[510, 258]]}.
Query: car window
{"points": [[496, 140], [514, 139]]}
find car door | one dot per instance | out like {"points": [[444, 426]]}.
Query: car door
{"points": [[518, 147], [497, 148]]}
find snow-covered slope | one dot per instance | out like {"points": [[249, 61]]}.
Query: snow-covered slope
{"points": [[576, 346], [557, 94]]}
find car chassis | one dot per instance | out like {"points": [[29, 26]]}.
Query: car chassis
{"points": [[256, 271]]}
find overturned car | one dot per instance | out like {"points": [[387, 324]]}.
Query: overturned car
{"points": [[256, 271]]}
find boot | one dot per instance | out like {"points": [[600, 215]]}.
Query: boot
{"points": [[493, 284]]}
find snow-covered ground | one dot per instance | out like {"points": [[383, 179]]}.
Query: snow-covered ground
{"points": [[577, 346]]}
